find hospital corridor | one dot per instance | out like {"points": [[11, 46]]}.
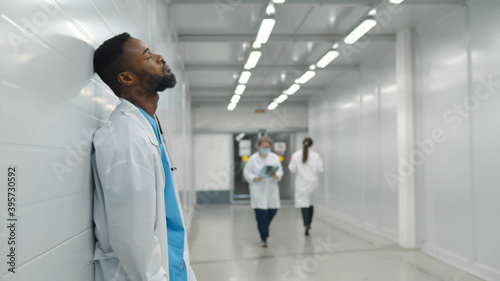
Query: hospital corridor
{"points": [[249, 140]]}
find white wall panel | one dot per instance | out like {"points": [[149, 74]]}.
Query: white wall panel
{"points": [[357, 134], [443, 77], [370, 143], [67, 172], [113, 20], [46, 21], [69, 260], [86, 274], [484, 54], [85, 15], [388, 142], [345, 164], [457, 92], [53, 226], [51, 103], [212, 167], [31, 59], [42, 126]]}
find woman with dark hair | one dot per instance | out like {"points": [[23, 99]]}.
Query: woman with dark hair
{"points": [[263, 171], [306, 164]]}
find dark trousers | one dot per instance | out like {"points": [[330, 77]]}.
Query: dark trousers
{"points": [[264, 218], [307, 215]]}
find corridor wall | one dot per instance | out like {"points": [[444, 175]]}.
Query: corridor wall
{"points": [[456, 92], [353, 125], [51, 104]]}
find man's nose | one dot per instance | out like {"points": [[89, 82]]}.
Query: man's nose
{"points": [[159, 58]]}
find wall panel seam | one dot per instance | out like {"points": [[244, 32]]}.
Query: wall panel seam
{"points": [[41, 41], [57, 198], [473, 228], [55, 247], [72, 107]]}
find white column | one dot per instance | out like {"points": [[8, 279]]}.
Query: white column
{"points": [[404, 73]]}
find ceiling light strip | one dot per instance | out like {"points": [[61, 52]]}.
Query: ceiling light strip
{"points": [[327, 59], [305, 77], [359, 31], [240, 89], [253, 59], [266, 27], [244, 77]]}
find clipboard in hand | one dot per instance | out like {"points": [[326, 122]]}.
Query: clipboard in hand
{"points": [[267, 171]]}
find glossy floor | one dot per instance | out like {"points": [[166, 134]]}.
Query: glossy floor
{"points": [[225, 246]]}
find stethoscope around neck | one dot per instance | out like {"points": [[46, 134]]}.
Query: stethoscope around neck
{"points": [[173, 168]]}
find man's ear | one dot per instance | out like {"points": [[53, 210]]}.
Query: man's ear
{"points": [[125, 78]]}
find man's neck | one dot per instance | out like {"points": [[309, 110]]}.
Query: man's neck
{"points": [[148, 103]]}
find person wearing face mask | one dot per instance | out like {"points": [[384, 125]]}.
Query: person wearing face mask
{"points": [[263, 171]]}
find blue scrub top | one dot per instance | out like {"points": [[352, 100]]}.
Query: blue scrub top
{"points": [[175, 228]]}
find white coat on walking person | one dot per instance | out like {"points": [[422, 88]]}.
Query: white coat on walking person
{"points": [[307, 165], [306, 179], [264, 191]]}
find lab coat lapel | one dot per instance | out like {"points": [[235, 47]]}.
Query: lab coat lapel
{"points": [[133, 112]]}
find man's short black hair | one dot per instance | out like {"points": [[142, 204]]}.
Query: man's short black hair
{"points": [[109, 61]]}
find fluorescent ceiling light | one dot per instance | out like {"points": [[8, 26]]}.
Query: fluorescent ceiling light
{"points": [[312, 67], [279, 1], [335, 46], [272, 105], [281, 98], [266, 27], [245, 75], [361, 30], [396, 1], [327, 59], [372, 12], [240, 89], [231, 106], [305, 77], [270, 10], [235, 98], [294, 88], [256, 45], [253, 59]]}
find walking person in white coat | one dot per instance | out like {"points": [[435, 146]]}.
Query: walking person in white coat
{"points": [[264, 190], [306, 164], [139, 228]]}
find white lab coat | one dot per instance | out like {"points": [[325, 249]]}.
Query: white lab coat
{"points": [[306, 180], [129, 209], [264, 194]]}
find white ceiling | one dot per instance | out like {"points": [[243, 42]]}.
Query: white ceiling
{"points": [[215, 38]]}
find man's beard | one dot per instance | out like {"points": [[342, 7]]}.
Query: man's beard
{"points": [[159, 83], [165, 82]]}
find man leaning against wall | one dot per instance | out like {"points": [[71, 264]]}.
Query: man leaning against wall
{"points": [[139, 228]]}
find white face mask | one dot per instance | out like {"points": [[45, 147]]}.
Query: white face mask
{"points": [[265, 150]]}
